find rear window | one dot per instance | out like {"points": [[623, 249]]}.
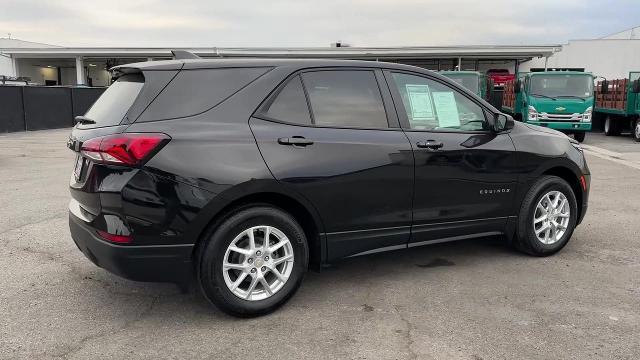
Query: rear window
{"points": [[112, 106], [290, 105], [196, 91]]}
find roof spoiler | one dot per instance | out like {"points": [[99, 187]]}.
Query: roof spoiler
{"points": [[183, 54]]}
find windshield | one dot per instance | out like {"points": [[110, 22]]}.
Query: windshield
{"points": [[562, 85], [470, 81], [113, 104]]}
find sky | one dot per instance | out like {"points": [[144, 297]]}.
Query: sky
{"points": [[301, 23]]}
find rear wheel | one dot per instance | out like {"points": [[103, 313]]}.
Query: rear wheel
{"points": [[579, 136], [611, 126], [547, 217], [636, 131], [253, 262]]}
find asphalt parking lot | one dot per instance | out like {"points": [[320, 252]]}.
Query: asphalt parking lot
{"points": [[465, 300]]}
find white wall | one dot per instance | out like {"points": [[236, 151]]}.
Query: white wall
{"points": [[6, 66], [609, 58]]}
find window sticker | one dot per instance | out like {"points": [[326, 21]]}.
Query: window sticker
{"points": [[446, 109], [420, 101]]}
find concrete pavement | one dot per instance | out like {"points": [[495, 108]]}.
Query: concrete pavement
{"points": [[465, 300]]}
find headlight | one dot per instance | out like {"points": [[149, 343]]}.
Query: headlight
{"points": [[533, 114], [586, 117]]}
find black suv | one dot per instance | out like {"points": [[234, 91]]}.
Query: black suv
{"points": [[245, 173]]}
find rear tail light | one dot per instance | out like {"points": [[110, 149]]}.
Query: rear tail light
{"points": [[118, 239], [124, 149]]}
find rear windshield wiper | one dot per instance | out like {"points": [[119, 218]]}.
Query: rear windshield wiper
{"points": [[544, 96], [571, 97], [84, 120]]}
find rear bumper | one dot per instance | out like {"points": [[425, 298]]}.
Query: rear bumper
{"points": [[161, 263]]}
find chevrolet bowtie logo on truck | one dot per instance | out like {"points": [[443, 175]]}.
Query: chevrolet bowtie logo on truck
{"points": [[560, 108]]}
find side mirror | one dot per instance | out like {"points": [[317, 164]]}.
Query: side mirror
{"points": [[517, 86], [502, 122], [604, 86], [636, 86]]}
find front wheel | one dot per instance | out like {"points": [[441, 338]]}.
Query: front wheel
{"points": [[253, 262], [547, 217], [579, 136], [636, 131]]}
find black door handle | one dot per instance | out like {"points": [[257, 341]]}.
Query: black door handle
{"points": [[430, 144], [295, 141]]}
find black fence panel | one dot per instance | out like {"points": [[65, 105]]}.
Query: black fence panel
{"points": [[83, 98], [11, 110], [47, 107]]}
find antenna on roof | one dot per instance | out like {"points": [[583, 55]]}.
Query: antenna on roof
{"points": [[183, 54]]}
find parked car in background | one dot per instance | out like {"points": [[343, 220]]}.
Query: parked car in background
{"points": [[19, 81], [500, 76], [245, 173]]}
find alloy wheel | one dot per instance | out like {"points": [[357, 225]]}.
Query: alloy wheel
{"points": [[258, 263], [551, 217]]}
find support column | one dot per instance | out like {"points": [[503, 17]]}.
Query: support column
{"points": [[546, 61], [459, 63], [14, 66], [80, 75]]}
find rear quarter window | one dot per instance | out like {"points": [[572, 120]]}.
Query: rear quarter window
{"points": [[113, 104], [195, 91]]}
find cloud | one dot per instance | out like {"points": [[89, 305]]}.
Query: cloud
{"points": [[312, 23]]}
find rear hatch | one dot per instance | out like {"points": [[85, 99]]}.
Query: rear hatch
{"points": [[106, 156], [105, 117]]}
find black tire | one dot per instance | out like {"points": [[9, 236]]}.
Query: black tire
{"points": [[210, 259], [526, 239], [635, 130], [611, 126], [579, 136]]}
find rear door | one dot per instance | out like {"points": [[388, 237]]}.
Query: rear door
{"points": [[333, 136], [464, 172]]}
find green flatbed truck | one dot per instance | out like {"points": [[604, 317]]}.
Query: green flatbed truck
{"points": [[475, 81], [618, 105], [560, 100]]}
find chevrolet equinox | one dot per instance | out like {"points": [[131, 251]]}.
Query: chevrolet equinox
{"points": [[245, 173]]}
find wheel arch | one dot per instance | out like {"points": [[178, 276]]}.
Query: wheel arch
{"points": [[572, 179], [301, 210]]}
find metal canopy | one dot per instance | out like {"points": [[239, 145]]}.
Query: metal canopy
{"points": [[513, 52]]}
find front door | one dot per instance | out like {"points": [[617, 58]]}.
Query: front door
{"points": [[346, 156], [464, 178]]}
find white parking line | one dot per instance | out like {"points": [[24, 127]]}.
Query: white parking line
{"points": [[609, 155]]}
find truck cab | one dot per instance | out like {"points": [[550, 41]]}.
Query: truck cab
{"points": [[560, 100], [474, 81]]}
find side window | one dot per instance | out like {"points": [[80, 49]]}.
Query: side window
{"points": [[431, 105], [345, 98], [290, 104]]}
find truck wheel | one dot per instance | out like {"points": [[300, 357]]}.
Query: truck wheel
{"points": [[607, 126], [579, 136], [636, 131], [547, 217], [611, 126], [253, 262]]}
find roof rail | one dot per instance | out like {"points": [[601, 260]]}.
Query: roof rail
{"points": [[183, 54]]}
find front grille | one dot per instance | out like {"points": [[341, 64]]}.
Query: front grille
{"points": [[560, 117]]}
